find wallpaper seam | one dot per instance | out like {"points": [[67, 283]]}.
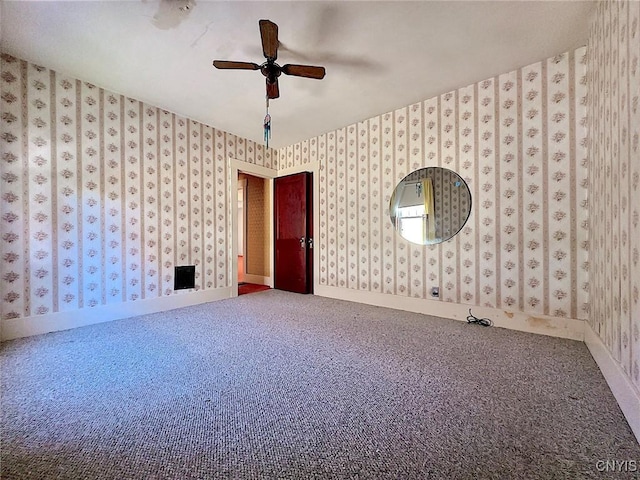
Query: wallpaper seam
{"points": [[25, 183], [80, 157], [102, 193], [395, 179], [572, 191], [188, 160], [54, 189], [123, 220], [369, 266], [520, 176], [141, 175], [215, 153], [456, 130], [439, 146], [629, 189], [476, 189], [224, 235], [496, 111], [356, 227], [201, 180], [545, 176], [159, 202], [174, 198]]}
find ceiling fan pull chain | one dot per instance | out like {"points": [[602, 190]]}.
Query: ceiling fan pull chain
{"points": [[267, 125]]}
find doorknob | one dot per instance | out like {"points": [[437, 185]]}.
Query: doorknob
{"points": [[310, 242], [302, 241]]}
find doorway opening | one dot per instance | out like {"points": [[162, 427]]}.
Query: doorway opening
{"points": [[242, 227], [253, 233]]}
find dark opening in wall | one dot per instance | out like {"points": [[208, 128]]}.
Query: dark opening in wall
{"points": [[184, 277]]}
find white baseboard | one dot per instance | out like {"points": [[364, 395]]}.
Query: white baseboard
{"points": [[52, 322], [556, 327], [257, 279], [626, 394]]}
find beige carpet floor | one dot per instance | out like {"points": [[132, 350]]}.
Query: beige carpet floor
{"points": [[280, 385]]}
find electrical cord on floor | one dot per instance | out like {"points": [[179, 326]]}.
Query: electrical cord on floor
{"points": [[485, 322]]}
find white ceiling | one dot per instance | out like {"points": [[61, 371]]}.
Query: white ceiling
{"points": [[379, 56]]}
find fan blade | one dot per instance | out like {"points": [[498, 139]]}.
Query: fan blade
{"points": [[307, 71], [272, 89], [269, 35], [236, 65]]}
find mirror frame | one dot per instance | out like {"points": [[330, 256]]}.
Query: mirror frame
{"points": [[393, 203]]}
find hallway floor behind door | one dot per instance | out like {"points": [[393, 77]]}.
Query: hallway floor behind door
{"points": [[245, 288]]}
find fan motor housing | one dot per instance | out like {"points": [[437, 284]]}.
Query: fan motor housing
{"points": [[271, 70]]}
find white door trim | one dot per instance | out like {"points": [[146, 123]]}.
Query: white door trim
{"points": [[234, 167]]}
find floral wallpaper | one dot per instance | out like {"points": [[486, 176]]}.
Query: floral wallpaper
{"points": [[519, 141], [614, 145], [103, 195]]}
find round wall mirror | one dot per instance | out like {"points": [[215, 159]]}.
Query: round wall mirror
{"points": [[430, 205]]}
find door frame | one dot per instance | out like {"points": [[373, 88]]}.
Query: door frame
{"points": [[235, 167]]}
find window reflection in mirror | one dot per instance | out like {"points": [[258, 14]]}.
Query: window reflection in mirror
{"points": [[430, 205]]}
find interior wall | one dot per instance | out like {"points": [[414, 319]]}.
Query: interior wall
{"points": [[614, 157], [241, 218], [102, 195], [258, 215], [519, 141]]}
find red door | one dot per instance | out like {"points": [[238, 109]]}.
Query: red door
{"points": [[293, 201]]}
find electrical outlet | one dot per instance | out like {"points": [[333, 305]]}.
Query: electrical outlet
{"points": [[435, 291]]}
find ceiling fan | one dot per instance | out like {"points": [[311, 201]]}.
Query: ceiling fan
{"points": [[270, 69]]}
